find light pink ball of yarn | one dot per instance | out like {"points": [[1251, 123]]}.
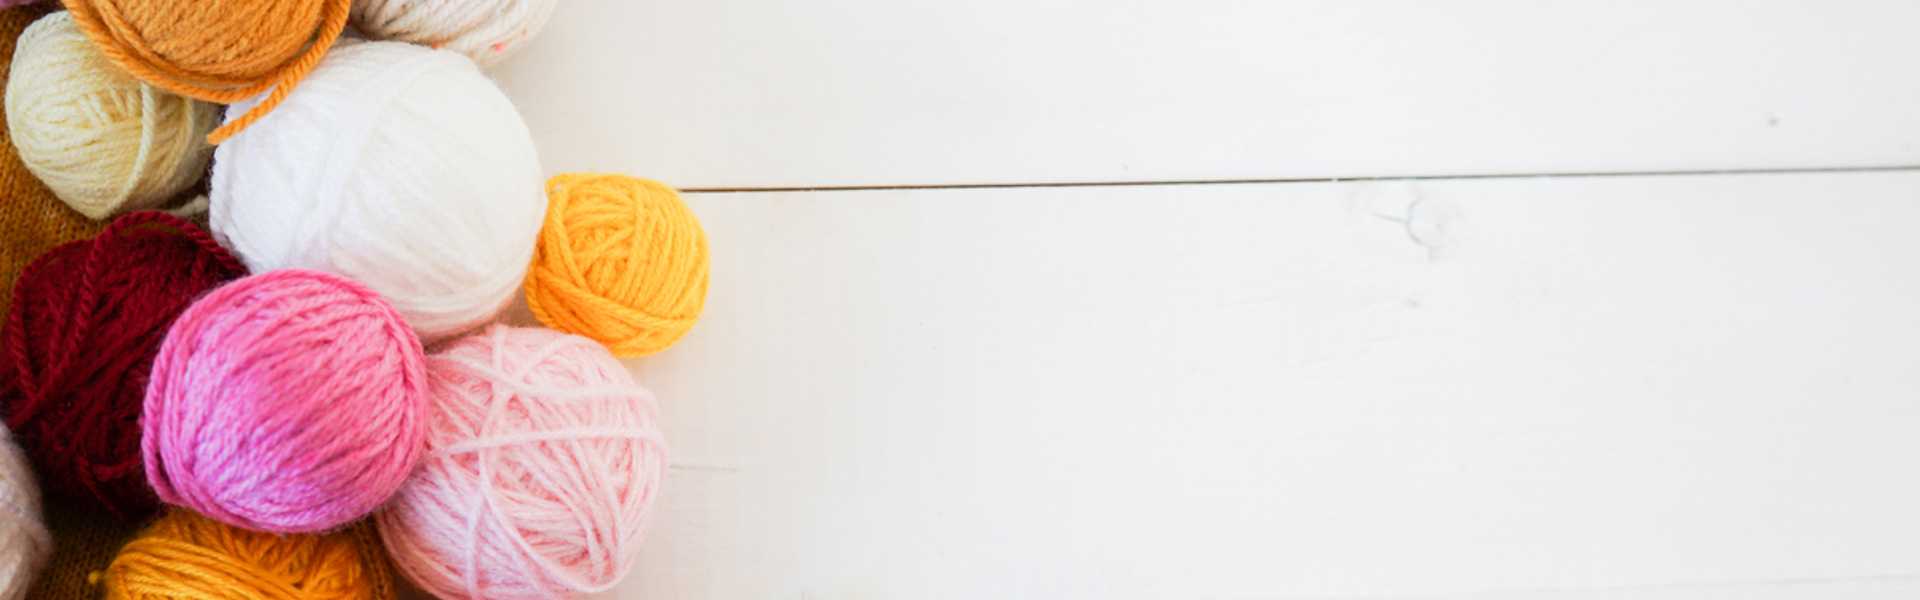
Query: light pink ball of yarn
{"points": [[543, 461], [289, 401]]}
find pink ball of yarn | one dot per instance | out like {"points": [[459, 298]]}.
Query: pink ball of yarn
{"points": [[289, 401], [543, 460]]}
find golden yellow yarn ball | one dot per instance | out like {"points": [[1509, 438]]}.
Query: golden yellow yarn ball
{"points": [[104, 142], [621, 260], [188, 556]]}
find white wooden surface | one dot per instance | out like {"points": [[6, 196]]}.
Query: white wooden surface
{"points": [[1645, 387], [809, 93], [1555, 388]]}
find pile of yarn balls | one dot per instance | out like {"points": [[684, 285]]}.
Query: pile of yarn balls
{"points": [[292, 327]]}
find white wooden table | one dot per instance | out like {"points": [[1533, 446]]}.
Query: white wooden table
{"points": [[1505, 300]]}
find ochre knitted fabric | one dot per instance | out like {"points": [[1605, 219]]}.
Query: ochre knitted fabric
{"points": [[387, 584], [84, 543], [32, 219]]}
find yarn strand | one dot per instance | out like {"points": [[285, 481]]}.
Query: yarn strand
{"points": [[121, 42]]}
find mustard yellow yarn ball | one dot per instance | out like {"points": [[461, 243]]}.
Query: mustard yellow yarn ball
{"points": [[102, 141], [621, 260], [186, 556]]}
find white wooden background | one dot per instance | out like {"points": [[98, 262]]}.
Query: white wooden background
{"points": [[1510, 300]]}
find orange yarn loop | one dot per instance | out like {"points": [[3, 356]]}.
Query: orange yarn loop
{"points": [[188, 556], [215, 51], [620, 260]]}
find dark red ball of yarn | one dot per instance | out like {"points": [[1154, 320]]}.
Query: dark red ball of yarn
{"points": [[79, 341]]}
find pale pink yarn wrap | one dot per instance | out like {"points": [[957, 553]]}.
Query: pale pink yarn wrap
{"points": [[543, 462], [289, 401]]}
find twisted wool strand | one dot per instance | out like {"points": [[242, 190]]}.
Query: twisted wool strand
{"points": [[78, 345], [220, 52], [621, 260], [544, 459], [103, 141], [485, 30], [187, 556]]}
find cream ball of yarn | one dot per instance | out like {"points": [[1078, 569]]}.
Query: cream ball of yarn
{"points": [[101, 140], [484, 30], [24, 541], [398, 166]]}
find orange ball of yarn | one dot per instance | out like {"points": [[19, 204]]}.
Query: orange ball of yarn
{"points": [[188, 556], [215, 51], [621, 260]]}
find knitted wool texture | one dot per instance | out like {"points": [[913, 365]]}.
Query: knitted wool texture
{"points": [[221, 52], [83, 546], [289, 401], [621, 260], [104, 142], [185, 556], [544, 458], [401, 167], [32, 220], [24, 541], [79, 342], [485, 30]]}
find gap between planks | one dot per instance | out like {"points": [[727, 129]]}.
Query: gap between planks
{"points": [[980, 186]]}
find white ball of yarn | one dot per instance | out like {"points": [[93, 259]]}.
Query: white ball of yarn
{"points": [[24, 541], [101, 140], [543, 462], [398, 166], [485, 30]]}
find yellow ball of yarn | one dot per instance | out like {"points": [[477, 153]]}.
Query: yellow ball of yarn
{"points": [[101, 140], [188, 556], [620, 260]]}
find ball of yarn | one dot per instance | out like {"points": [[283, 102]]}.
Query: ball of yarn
{"points": [[186, 556], [104, 142], [485, 30], [215, 51], [544, 458], [620, 260], [13, 3], [399, 166], [24, 541], [290, 401], [78, 345]]}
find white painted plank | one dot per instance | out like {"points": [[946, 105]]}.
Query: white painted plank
{"points": [[808, 93], [1561, 388]]}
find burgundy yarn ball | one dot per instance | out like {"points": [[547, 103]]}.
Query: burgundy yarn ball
{"points": [[78, 346]]}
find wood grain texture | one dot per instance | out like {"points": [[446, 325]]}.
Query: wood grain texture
{"points": [[809, 93], [1534, 388]]}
